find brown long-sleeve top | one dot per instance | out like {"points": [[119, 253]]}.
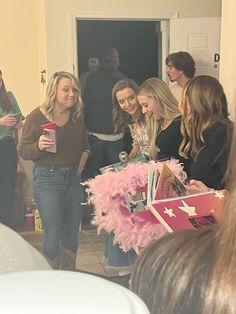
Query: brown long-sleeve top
{"points": [[72, 141]]}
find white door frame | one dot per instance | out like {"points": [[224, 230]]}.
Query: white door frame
{"points": [[164, 19]]}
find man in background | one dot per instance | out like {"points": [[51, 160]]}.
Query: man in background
{"points": [[93, 66], [180, 68], [105, 146]]}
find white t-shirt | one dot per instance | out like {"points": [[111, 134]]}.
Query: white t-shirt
{"points": [[176, 90]]}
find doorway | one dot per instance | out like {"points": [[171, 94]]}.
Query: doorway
{"points": [[139, 44]]}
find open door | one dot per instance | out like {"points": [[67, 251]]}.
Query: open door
{"points": [[201, 38]]}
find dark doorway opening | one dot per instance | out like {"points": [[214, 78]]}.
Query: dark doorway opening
{"points": [[138, 43]]}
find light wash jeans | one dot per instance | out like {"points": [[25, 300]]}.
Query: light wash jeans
{"points": [[104, 153], [116, 257], [58, 195]]}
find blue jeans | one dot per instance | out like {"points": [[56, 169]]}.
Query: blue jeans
{"points": [[103, 153], [115, 255], [58, 195]]}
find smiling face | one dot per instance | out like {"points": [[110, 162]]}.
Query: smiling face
{"points": [[127, 100], [149, 106], [67, 94]]}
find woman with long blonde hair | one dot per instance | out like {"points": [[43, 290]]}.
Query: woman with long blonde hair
{"points": [[57, 175], [206, 130], [163, 119]]}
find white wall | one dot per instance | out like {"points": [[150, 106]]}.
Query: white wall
{"points": [[228, 53], [59, 27], [19, 26]]}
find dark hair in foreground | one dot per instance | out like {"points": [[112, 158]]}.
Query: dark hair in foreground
{"points": [[193, 271]]}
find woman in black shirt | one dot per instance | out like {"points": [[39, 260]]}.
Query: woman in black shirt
{"points": [[163, 119], [206, 130]]}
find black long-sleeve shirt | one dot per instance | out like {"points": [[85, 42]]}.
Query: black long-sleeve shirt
{"points": [[168, 142], [98, 100], [211, 163]]}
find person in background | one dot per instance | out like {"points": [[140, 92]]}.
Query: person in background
{"points": [[163, 119], [126, 111], [206, 130], [105, 145], [180, 68], [57, 176], [10, 122], [193, 271], [93, 66]]}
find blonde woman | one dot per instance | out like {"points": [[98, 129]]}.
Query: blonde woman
{"points": [[163, 119], [206, 130], [56, 176]]}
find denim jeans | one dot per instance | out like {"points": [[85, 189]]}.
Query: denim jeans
{"points": [[104, 153], [116, 257], [58, 195]]}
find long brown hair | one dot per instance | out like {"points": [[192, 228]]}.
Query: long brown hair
{"points": [[204, 103], [121, 118], [170, 275], [193, 271], [5, 102]]}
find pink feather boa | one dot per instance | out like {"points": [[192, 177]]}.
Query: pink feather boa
{"points": [[107, 192]]}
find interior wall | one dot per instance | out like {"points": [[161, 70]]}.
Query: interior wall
{"points": [[60, 51], [19, 27], [228, 52], [23, 56]]}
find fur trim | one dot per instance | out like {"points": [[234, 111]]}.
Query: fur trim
{"points": [[107, 193]]}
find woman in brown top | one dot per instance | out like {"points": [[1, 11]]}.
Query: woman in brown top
{"points": [[58, 163]]}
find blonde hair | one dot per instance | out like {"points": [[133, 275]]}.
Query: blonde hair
{"points": [[159, 91], [204, 103], [49, 103]]}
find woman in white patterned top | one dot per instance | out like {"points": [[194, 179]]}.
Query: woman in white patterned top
{"points": [[126, 111]]}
